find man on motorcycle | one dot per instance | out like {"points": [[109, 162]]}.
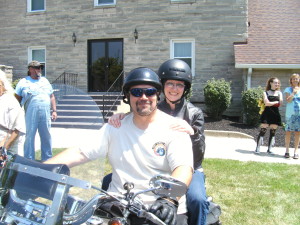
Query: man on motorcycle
{"points": [[145, 145], [176, 79]]}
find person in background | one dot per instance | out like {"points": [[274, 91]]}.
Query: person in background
{"points": [[12, 124], [270, 117], [144, 146], [35, 93], [292, 115], [176, 79]]}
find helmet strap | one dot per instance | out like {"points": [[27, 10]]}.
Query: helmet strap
{"points": [[126, 99]]}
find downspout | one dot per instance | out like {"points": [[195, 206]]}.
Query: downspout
{"points": [[249, 74]]}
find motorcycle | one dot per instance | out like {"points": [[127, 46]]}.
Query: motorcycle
{"points": [[26, 184], [41, 194]]}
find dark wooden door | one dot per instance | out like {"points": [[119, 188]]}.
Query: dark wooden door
{"points": [[105, 64]]}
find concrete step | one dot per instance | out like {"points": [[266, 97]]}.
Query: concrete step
{"points": [[88, 102], [90, 119], [85, 107], [77, 125], [80, 111]]}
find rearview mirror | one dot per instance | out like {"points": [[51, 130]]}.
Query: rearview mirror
{"points": [[167, 186]]}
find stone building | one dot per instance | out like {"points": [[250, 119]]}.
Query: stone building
{"points": [[272, 48], [102, 39]]}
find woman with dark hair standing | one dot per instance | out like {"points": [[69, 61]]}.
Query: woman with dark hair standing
{"points": [[270, 117], [292, 114]]}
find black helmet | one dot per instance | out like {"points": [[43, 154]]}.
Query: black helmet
{"points": [[141, 75], [176, 69]]}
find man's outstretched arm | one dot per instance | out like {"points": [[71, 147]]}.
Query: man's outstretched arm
{"points": [[70, 157]]}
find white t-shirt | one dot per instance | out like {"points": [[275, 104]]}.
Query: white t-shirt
{"points": [[12, 118], [137, 155]]}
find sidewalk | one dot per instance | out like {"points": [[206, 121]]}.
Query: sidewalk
{"points": [[239, 146], [219, 144]]}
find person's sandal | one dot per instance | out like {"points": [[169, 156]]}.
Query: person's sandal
{"points": [[296, 156], [287, 155]]}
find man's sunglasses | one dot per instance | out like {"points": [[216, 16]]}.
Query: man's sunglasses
{"points": [[138, 92]]}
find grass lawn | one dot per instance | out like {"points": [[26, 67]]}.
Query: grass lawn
{"points": [[254, 193], [249, 193]]}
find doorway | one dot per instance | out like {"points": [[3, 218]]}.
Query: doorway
{"points": [[105, 64]]}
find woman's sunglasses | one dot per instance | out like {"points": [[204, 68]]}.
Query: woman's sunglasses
{"points": [[138, 92]]}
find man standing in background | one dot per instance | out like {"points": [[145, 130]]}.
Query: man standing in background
{"points": [[35, 93]]}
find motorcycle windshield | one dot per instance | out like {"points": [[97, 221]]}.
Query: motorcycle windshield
{"points": [[33, 192]]}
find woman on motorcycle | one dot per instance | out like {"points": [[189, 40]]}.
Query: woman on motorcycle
{"points": [[176, 79]]}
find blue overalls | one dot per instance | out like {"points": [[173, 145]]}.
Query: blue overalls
{"points": [[36, 101]]}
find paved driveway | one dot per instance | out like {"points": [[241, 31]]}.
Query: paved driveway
{"points": [[239, 146]]}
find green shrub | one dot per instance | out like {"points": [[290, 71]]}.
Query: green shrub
{"points": [[14, 83], [189, 95], [251, 109], [217, 94]]}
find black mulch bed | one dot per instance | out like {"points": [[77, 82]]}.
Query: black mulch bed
{"points": [[233, 124]]}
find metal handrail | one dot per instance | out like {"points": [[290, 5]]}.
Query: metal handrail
{"points": [[107, 93], [68, 82]]}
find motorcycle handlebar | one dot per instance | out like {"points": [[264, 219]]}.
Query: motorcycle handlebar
{"points": [[151, 217]]}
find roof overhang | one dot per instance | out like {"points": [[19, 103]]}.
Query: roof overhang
{"points": [[268, 66]]}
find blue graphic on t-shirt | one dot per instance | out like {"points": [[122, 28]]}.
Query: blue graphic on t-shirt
{"points": [[160, 151]]}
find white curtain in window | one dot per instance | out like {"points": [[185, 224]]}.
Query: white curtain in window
{"points": [[39, 55], [105, 2], [182, 50]]}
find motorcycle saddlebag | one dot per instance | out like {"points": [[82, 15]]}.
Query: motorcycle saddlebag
{"points": [[214, 214]]}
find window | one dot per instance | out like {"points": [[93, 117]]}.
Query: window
{"points": [[184, 50], [38, 54], [104, 2], [182, 1], [36, 5]]}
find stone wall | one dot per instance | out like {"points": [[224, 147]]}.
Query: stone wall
{"points": [[214, 25]]}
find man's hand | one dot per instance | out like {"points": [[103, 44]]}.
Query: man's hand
{"points": [[165, 209], [54, 115]]}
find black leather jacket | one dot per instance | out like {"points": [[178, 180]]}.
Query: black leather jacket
{"points": [[194, 116]]}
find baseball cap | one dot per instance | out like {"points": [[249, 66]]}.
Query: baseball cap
{"points": [[35, 64]]}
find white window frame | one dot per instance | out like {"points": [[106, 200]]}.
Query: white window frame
{"points": [[96, 3], [29, 7], [30, 57], [192, 41]]}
